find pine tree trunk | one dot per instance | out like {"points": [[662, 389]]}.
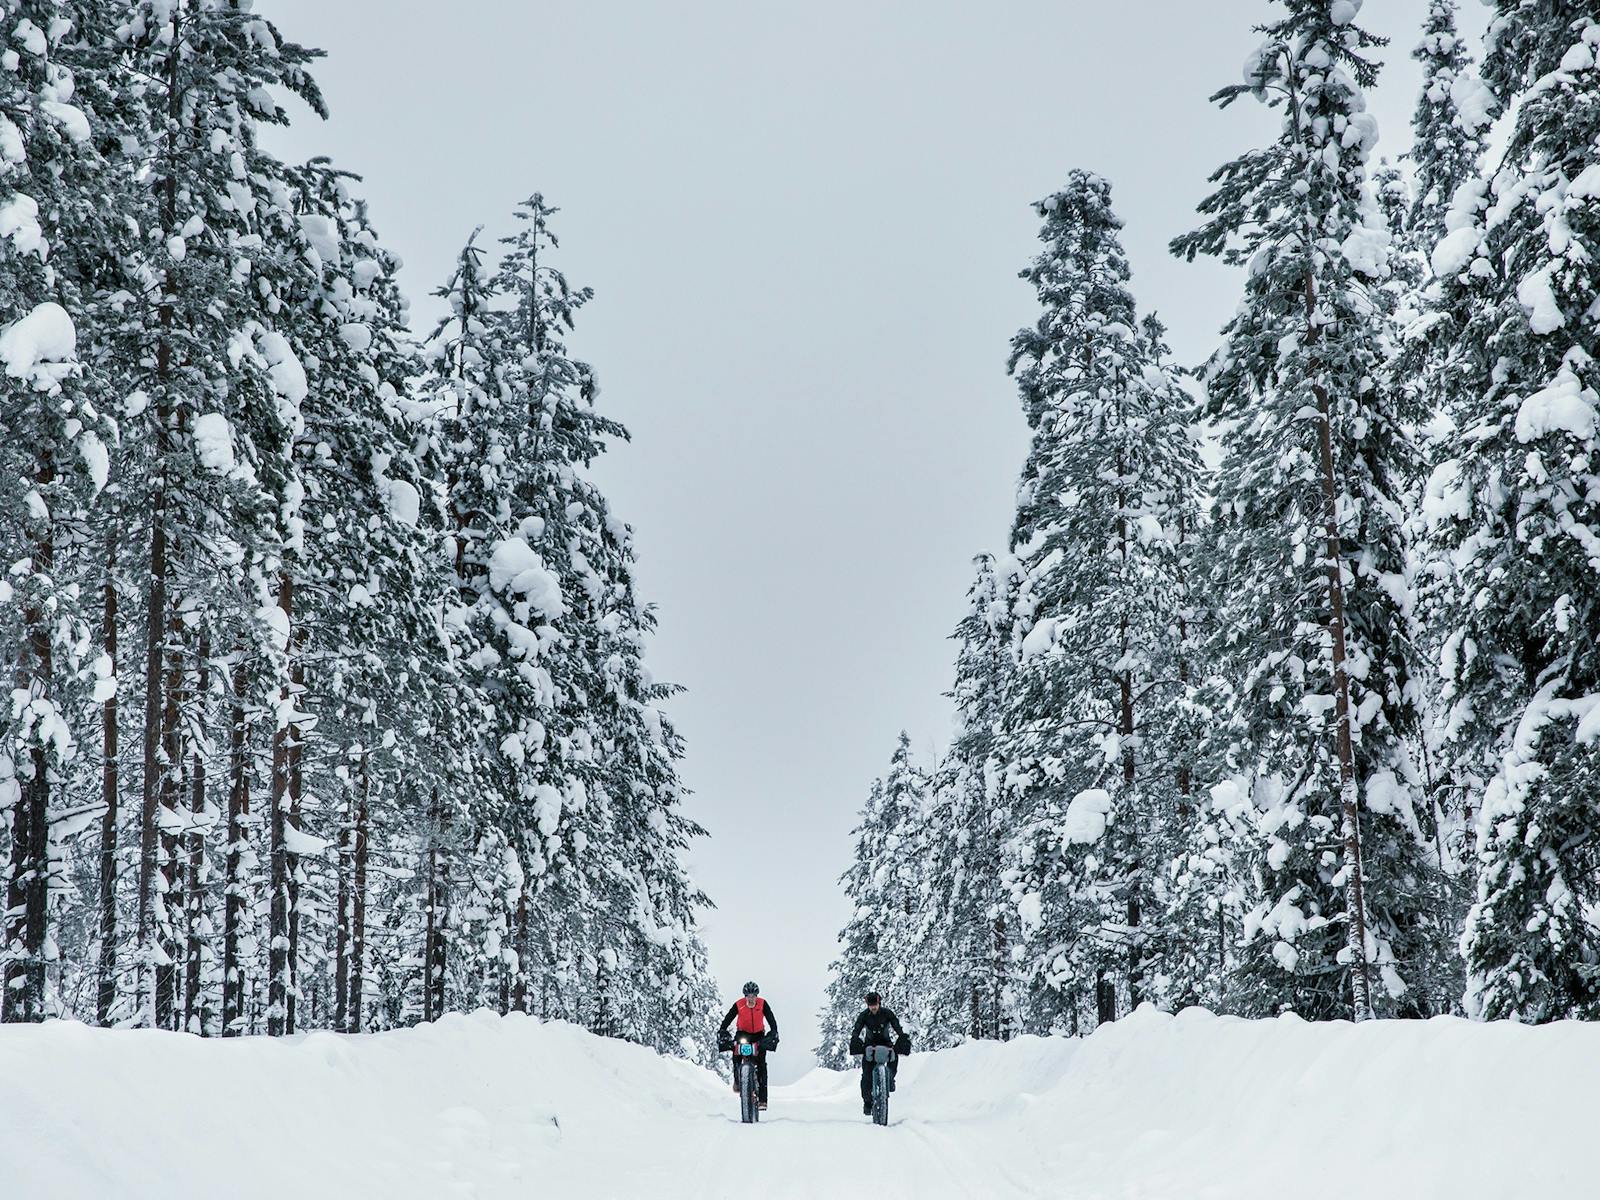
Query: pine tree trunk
{"points": [[433, 957], [358, 907], [519, 990], [1185, 771], [235, 889], [1105, 999], [171, 760], [150, 796], [156, 593], [28, 890], [106, 991], [296, 879], [278, 980], [1355, 900], [194, 1014], [1125, 735], [1002, 953], [341, 937]]}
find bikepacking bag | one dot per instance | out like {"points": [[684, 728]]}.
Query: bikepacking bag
{"points": [[880, 1054]]}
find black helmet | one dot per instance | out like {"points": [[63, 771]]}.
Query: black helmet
{"points": [[874, 998], [751, 989]]}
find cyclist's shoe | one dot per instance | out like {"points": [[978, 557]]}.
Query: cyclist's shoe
{"points": [[763, 1106], [866, 1108]]}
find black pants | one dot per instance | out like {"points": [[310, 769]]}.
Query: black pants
{"points": [[761, 1075], [866, 1077]]}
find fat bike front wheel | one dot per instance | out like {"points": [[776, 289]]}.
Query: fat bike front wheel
{"points": [[880, 1094], [749, 1108]]}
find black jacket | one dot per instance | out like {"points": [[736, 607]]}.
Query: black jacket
{"points": [[872, 1029], [766, 1011]]}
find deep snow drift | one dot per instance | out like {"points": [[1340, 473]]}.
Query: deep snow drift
{"points": [[1154, 1107]]}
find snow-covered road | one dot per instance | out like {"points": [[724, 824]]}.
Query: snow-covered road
{"points": [[1154, 1107]]}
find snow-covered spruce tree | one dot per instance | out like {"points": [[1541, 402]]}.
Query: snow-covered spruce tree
{"points": [[961, 957], [469, 785], [1305, 551], [884, 884], [1512, 507], [54, 464], [855, 972], [1113, 472], [563, 830], [215, 432], [1449, 127], [366, 588]]}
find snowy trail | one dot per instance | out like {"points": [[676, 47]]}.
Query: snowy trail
{"points": [[810, 1145], [1153, 1107]]}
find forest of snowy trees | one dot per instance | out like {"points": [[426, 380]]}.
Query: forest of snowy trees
{"points": [[1314, 727], [327, 706]]}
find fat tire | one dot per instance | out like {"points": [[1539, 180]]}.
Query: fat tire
{"points": [[749, 1107], [880, 1094]]}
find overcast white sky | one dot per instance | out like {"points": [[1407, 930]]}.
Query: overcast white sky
{"points": [[803, 224]]}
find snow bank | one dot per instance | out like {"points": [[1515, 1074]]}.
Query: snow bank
{"points": [[1154, 1106]]}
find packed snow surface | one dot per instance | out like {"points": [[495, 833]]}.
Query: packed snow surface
{"points": [[1192, 1107]]}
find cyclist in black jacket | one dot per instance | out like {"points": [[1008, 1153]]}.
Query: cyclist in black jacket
{"points": [[873, 1028]]}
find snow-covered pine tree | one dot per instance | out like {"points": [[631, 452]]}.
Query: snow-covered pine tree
{"points": [[575, 897], [901, 884], [1449, 127], [53, 465], [961, 958], [1113, 473], [214, 433], [1512, 507], [884, 886], [857, 969], [1305, 552]]}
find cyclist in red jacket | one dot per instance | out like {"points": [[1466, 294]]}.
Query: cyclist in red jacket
{"points": [[753, 1015]]}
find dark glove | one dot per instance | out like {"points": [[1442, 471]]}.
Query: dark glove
{"points": [[724, 1041], [856, 1047], [902, 1044], [769, 1043]]}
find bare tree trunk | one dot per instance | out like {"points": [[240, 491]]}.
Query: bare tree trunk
{"points": [[106, 993], [297, 678], [194, 1011], [172, 758], [278, 980], [358, 907], [28, 889], [341, 937], [1105, 999], [433, 958], [156, 594], [1002, 953], [1125, 734], [234, 891], [519, 990], [1355, 900], [1185, 772]]}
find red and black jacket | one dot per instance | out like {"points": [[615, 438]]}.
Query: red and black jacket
{"points": [[751, 1017]]}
